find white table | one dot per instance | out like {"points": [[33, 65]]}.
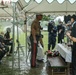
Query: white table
{"points": [[65, 52]]}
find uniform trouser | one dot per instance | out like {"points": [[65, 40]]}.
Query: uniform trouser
{"points": [[73, 61], [33, 51]]}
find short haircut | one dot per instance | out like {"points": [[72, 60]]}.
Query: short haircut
{"points": [[74, 17], [38, 14]]}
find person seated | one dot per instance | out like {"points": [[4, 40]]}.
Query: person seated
{"points": [[3, 50], [1, 55], [8, 41], [2, 44]]}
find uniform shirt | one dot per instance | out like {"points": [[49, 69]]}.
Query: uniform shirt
{"points": [[73, 32], [36, 26]]}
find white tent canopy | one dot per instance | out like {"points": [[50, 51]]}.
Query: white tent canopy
{"points": [[6, 12], [50, 6], [5, 9], [53, 7]]}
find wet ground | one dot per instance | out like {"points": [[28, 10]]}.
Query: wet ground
{"points": [[6, 67]]}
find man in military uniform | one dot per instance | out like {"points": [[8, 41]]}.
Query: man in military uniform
{"points": [[35, 37], [72, 36]]}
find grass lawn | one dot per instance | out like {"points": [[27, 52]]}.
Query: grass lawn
{"points": [[22, 38], [45, 40]]}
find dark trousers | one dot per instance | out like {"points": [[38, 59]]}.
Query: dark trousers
{"points": [[7, 42], [6, 48], [59, 38], [2, 53], [51, 42], [33, 51], [73, 61]]}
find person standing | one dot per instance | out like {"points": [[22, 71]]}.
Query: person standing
{"points": [[72, 36], [68, 28], [34, 38], [61, 30], [51, 35]]}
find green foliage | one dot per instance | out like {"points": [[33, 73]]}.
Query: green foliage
{"points": [[45, 18]]}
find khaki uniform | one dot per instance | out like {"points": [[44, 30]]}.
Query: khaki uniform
{"points": [[36, 26], [35, 32]]}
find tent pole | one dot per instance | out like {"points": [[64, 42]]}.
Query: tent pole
{"points": [[13, 37], [26, 36], [18, 43], [18, 46]]}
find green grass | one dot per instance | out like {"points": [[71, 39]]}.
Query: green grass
{"points": [[22, 38], [45, 40]]}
